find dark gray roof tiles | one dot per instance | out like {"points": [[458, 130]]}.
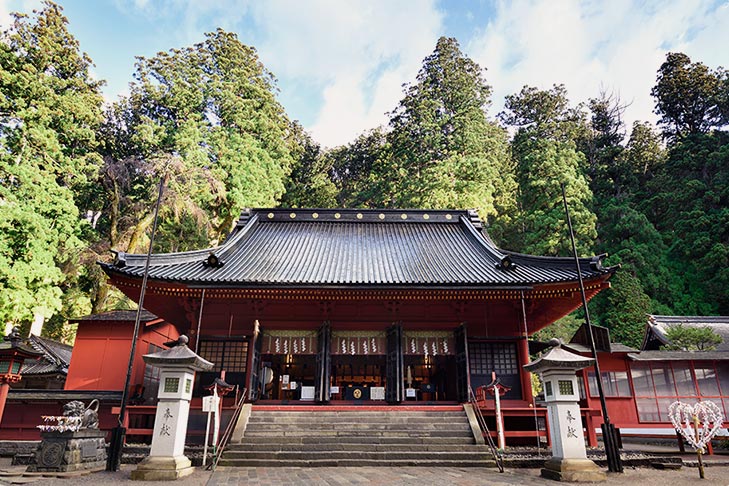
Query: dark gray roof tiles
{"points": [[55, 358], [658, 325], [679, 356], [373, 248], [118, 315]]}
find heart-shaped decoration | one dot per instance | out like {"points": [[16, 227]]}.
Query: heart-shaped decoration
{"points": [[704, 417]]}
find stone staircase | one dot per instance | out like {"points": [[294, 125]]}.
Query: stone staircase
{"points": [[387, 437]]}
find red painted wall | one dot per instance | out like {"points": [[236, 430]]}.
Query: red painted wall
{"points": [[101, 353], [622, 411]]}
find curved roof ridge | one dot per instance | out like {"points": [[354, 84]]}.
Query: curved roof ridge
{"points": [[184, 256]]}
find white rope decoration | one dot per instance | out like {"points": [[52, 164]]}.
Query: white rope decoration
{"points": [[710, 419], [64, 423]]}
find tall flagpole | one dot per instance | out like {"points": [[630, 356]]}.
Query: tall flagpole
{"points": [[608, 430], [118, 433]]}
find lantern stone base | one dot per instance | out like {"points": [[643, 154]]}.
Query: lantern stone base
{"points": [[159, 468], [573, 471]]}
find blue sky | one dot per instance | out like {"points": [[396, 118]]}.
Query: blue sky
{"points": [[341, 64]]}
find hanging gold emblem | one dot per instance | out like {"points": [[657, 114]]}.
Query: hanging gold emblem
{"points": [[357, 393]]}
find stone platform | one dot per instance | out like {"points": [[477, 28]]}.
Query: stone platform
{"points": [[83, 450]]}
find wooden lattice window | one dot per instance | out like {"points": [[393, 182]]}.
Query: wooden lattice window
{"points": [[225, 355]]}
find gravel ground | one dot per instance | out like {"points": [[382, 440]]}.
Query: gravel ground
{"points": [[715, 475]]}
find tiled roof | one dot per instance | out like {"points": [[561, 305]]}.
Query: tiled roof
{"points": [[118, 315], [679, 356], [658, 325], [55, 359], [344, 248]]}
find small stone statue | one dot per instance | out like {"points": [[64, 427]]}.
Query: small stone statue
{"points": [[89, 416]]}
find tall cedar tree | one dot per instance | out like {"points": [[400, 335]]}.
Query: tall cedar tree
{"points": [[444, 152], [50, 109], [206, 117], [545, 149], [211, 110], [690, 194]]}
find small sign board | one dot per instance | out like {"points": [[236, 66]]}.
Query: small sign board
{"points": [[210, 403], [410, 393]]}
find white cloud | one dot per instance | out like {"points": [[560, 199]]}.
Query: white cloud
{"points": [[358, 53], [616, 46]]}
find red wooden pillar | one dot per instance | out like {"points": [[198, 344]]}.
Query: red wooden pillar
{"points": [[526, 381], [590, 427], [4, 387]]}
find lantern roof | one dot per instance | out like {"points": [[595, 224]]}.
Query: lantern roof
{"points": [[179, 356], [558, 358]]}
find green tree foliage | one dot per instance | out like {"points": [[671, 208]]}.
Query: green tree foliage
{"points": [[309, 184], [690, 97], [689, 338], [444, 152], [212, 108], [546, 154], [691, 205], [360, 171], [623, 309], [50, 109], [206, 118]]}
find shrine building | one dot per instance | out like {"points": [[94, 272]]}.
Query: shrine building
{"points": [[340, 305]]}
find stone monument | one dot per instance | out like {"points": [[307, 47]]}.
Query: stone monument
{"points": [[166, 460], [569, 457], [73, 443]]}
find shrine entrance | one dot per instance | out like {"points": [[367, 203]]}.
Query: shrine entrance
{"points": [[387, 366]]}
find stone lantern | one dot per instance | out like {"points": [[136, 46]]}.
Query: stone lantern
{"points": [[569, 458], [166, 460]]}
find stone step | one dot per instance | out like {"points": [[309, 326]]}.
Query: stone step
{"points": [[357, 438], [316, 428], [356, 463], [363, 447], [357, 413], [354, 440], [353, 418], [357, 433], [357, 455]]}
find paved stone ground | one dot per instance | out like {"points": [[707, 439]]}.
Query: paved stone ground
{"points": [[373, 476]]}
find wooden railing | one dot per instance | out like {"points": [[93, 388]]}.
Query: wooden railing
{"points": [[485, 430], [223, 440]]}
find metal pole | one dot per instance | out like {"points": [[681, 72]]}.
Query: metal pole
{"points": [[117, 436], [608, 431]]}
